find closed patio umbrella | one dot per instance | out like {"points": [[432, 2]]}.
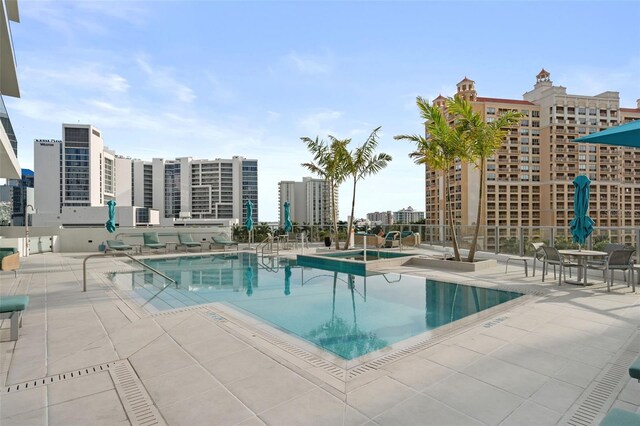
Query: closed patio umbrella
{"points": [[110, 224], [624, 135], [248, 223], [288, 226], [581, 224]]}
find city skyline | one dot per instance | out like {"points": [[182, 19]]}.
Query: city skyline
{"points": [[216, 80]]}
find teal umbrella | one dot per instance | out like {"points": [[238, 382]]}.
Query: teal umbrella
{"points": [[624, 135], [287, 280], [248, 274], [581, 224], [111, 223], [248, 223], [288, 226]]}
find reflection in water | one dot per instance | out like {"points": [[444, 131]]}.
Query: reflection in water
{"points": [[248, 276], [287, 280], [339, 336]]}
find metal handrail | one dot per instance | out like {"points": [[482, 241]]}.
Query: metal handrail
{"points": [[119, 254]]}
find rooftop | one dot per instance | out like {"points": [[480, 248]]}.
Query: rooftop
{"points": [[98, 358]]}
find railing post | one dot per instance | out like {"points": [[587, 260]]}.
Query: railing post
{"points": [[638, 243], [552, 236], [496, 237]]}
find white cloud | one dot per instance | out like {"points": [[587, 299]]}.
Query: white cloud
{"points": [[309, 64], [78, 76], [162, 78], [315, 123]]}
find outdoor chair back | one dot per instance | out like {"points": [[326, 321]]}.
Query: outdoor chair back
{"points": [[185, 238], [620, 259], [150, 238], [551, 255]]}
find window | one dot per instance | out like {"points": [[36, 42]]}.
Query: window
{"points": [[582, 148], [582, 130], [592, 158], [491, 176], [524, 150], [491, 110], [582, 111], [524, 159], [524, 122], [582, 157], [524, 177], [582, 166], [592, 111], [525, 112], [524, 131], [524, 141], [535, 113], [491, 119], [524, 168]]}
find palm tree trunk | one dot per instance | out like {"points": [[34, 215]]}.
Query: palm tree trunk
{"points": [[353, 207], [474, 243], [454, 237], [333, 213]]}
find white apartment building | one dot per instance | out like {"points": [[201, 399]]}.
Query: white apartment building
{"points": [[85, 175], [408, 215], [310, 201]]}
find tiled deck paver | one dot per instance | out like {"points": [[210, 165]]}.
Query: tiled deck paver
{"points": [[534, 364]]}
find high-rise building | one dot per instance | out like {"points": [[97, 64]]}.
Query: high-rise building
{"points": [[408, 215], [309, 201], [529, 179], [79, 172], [22, 196], [381, 218], [9, 167]]}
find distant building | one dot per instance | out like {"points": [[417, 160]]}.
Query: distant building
{"points": [[183, 191], [408, 215], [381, 218], [19, 193], [310, 201]]}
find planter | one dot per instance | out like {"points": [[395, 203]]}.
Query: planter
{"points": [[452, 265]]}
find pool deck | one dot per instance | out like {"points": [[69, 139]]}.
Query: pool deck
{"points": [[561, 357]]}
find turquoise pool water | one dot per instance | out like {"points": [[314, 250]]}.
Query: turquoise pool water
{"points": [[344, 313]]}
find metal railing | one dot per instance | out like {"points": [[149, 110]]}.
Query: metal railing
{"points": [[120, 254]]}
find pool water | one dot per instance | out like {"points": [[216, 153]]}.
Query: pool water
{"points": [[347, 314]]}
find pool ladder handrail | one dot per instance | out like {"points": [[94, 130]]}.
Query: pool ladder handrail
{"points": [[268, 242], [119, 254]]}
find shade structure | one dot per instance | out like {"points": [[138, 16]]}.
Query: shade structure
{"points": [[110, 224], [287, 280], [624, 135], [248, 223], [288, 226], [581, 224]]}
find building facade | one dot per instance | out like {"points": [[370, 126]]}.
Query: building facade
{"points": [[381, 218], [408, 215], [87, 174], [529, 179], [309, 201], [9, 167]]}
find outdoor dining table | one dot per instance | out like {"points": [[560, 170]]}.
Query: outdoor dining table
{"points": [[582, 256]]}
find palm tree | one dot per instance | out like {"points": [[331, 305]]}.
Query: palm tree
{"points": [[485, 138], [439, 150], [360, 163], [328, 163]]}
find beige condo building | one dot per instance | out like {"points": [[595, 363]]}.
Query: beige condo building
{"points": [[529, 179]]}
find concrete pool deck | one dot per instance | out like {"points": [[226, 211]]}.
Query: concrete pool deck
{"points": [[95, 358]]}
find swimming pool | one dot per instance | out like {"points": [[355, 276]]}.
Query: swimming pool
{"points": [[346, 314]]}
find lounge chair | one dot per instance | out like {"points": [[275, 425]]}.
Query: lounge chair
{"points": [[409, 238], [186, 240], [370, 240], [117, 245], [601, 263], [152, 242], [11, 307], [392, 239], [222, 240], [9, 259]]}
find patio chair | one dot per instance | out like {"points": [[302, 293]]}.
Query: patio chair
{"points": [[619, 260], [152, 242], [117, 245], [554, 258], [9, 259], [222, 240], [538, 255], [187, 241], [600, 263]]}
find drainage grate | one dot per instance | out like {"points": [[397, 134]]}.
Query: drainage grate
{"points": [[215, 316], [135, 400], [602, 393], [57, 378]]}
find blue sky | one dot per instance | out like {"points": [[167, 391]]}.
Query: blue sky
{"points": [[211, 79]]}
